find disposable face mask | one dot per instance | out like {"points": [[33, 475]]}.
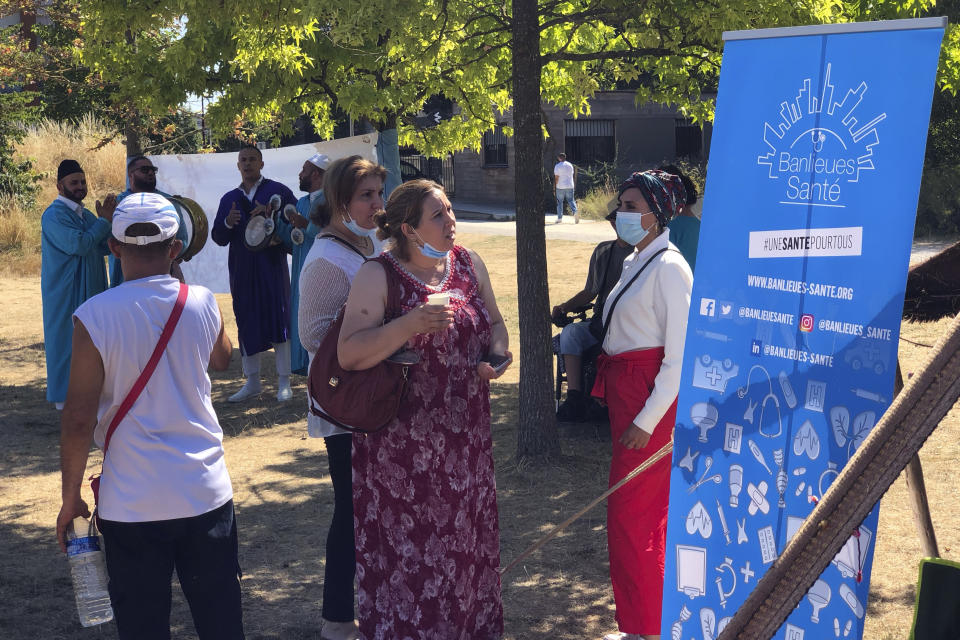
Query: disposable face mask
{"points": [[630, 227], [356, 229], [430, 251]]}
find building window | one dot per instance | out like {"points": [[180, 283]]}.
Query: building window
{"points": [[589, 141], [495, 148], [689, 138]]}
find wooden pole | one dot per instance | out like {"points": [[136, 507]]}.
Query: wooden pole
{"points": [[917, 490]]}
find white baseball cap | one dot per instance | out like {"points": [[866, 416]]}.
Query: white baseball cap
{"points": [[320, 161], [145, 208]]}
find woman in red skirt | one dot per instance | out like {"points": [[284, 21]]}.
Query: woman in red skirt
{"points": [[638, 377]]}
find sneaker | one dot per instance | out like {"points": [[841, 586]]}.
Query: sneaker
{"points": [[559, 220], [338, 630], [572, 409], [284, 392], [250, 389], [576, 218]]}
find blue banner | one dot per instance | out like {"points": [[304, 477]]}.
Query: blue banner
{"points": [[791, 347]]}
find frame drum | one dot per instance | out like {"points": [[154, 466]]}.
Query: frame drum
{"points": [[195, 222], [258, 234]]}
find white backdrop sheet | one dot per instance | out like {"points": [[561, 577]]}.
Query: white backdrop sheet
{"points": [[205, 177]]}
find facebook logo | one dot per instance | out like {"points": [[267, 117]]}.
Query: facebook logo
{"points": [[708, 307], [756, 347]]}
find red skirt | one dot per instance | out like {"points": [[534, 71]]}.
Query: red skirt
{"points": [[637, 512]]}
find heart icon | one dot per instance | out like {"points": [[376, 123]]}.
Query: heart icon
{"points": [[698, 521], [807, 441]]}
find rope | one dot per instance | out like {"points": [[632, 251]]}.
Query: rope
{"points": [[919, 344], [646, 464]]}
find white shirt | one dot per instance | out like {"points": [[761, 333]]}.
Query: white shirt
{"points": [[653, 313], [325, 279], [564, 172], [253, 189], [166, 456], [76, 207]]}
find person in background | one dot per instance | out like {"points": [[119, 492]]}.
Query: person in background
{"points": [[259, 280], [578, 337], [73, 242], [354, 190], [685, 226], [311, 181], [424, 495], [638, 377], [166, 501], [142, 178], [564, 180]]}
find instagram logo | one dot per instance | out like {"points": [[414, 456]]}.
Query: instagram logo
{"points": [[806, 322]]}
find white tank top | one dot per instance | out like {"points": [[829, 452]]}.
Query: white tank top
{"points": [[166, 456]]}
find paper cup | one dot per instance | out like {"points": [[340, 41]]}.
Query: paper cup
{"points": [[438, 299]]}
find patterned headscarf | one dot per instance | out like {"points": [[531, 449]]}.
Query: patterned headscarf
{"points": [[663, 191]]}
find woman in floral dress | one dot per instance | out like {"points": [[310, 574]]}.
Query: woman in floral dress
{"points": [[424, 495]]}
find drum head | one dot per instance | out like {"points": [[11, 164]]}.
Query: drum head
{"points": [[195, 224], [258, 233]]}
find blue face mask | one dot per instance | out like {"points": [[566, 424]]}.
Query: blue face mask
{"points": [[429, 250], [356, 229], [630, 227]]}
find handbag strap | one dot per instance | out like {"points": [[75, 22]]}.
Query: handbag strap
{"points": [[151, 365], [606, 324], [344, 243]]}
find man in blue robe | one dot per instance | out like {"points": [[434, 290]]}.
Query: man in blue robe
{"points": [[73, 242], [142, 178], [259, 280], [311, 181]]}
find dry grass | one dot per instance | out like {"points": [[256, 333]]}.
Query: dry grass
{"points": [[46, 145], [284, 496], [598, 202]]}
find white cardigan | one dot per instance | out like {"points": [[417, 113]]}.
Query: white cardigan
{"points": [[653, 313]]}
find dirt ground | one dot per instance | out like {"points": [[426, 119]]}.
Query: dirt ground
{"points": [[284, 496]]}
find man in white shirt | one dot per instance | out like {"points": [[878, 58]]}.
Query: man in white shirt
{"points": [[563, 183], [166, 501]]}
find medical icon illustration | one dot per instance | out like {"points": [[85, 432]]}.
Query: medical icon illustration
{"points": [[840, 424], [830, 470], [848, 432], [868, 395], [708, 623], [819, 597], [755, 450], [723, 624], [726, 566], [741, 531], [792, 632], [799, 471], [698, 521], [747, 572], [691, 570], [704, 416], [736, 484], [713, 375], [758, 498], [807, 442], [723, 522], [793, 525], [846, 628], [716, 478], [848, 596], [781, 477], [676, 630], [836, 627], [853, 555], [768, 398], [687, 461], [816, 394], [732, 438], [768, 544], [787, 388], [800, 488]]}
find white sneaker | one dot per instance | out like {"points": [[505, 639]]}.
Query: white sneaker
{"points": [[250, 389], [284, 393], [339, 630], [559, 221]]}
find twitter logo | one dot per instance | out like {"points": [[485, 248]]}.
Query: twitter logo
{"points": [[726, 309]]}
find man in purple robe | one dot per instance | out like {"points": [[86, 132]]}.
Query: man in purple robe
{"points": [[259, 280]]}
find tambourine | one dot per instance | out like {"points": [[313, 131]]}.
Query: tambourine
{"points": [[260, 231], [195, 226]]}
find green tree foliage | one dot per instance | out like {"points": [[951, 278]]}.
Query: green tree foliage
{"points": [[17, 109]]}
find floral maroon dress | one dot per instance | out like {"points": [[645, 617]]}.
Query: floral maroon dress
{"points": [[424, 496]]}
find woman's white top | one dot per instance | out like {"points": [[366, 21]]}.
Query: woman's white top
{"points": [[325, 279], [652, 313]]}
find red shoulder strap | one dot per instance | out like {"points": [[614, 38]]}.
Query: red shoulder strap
{"points": [[151, 365]]}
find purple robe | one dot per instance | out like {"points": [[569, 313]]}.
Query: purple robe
{"points": [[259, 280]]}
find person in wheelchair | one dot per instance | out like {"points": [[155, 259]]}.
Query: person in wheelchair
{"points": [[578, 338]]}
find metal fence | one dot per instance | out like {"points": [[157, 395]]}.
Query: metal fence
{"points": [[414, 165]]}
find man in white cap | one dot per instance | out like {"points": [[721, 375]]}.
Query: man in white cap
{"points": [[298, 236], [166, 500]]}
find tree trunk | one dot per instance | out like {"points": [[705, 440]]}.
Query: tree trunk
{"points": [[537, 432], [132, 138]]}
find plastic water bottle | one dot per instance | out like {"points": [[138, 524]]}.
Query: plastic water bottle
{"points": [[88, 568]]}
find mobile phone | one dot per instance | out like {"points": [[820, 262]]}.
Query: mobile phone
{"points": [[497, 361]]}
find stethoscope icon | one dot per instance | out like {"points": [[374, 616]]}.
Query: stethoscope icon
{"points": [[751, 406]]}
